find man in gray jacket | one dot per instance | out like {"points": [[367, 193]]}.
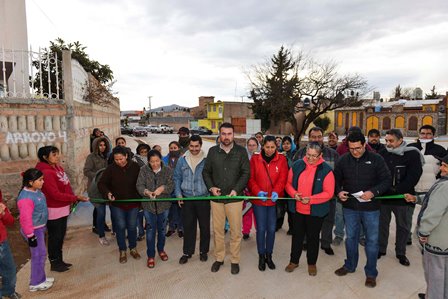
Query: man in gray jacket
{"points": [[226, 172], [432, 232]]}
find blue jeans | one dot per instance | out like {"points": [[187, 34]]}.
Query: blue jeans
{"points": [[155, 223], [125, 220], [353, 222], [7, 270], [339, 223], [175, 217], [100, 219], [266, 221], [140, 227]]}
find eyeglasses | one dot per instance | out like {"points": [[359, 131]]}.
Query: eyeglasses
{"points": [[312, 156], [355, 149]]}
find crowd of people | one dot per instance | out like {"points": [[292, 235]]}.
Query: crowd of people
{"points": [[329, 192]]}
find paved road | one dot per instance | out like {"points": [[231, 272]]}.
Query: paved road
{"points": [[98, 274]]}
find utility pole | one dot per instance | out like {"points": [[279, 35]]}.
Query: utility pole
{"points": [[149, 107]]}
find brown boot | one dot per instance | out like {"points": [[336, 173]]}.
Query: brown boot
{"points": [[312, 270], [134, 253], [370, 282], [291, 267], [123, 257]]}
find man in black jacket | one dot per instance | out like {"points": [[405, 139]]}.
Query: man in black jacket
{"points": [[405, 165], [226, 172], [373, 139], [361, 176]]}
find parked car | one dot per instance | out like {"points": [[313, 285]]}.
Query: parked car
{"points": [[139, 131], [152, 129], [201, 131], [125, 130], [165, 129]]}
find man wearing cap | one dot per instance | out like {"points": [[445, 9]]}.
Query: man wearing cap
{"points": [[432, 227], [373, 139], [405, 165], [184, 139]]}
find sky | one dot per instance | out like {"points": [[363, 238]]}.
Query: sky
{"points": [[176, 51]]}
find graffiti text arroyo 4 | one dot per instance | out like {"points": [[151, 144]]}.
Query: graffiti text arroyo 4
{"points": [[35, 137]]}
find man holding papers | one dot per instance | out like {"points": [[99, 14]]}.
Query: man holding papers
{"points": [[361, 171]]}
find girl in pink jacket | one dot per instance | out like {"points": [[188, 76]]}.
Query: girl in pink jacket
{"points": [[33, 218]]}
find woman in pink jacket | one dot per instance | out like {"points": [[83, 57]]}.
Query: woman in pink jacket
{"points": [[311, 182]]}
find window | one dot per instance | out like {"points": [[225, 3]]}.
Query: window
{"points": [[214, 108], [427, 120], [361, 120], [354, 118], [347, 118], [399, 122], [213, 124], [339, 119], [386, 123], [208, 108], [413, 123]]}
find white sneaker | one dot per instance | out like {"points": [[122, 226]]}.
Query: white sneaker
{"points": [[41, 287], [103, 241], [50, 279]]}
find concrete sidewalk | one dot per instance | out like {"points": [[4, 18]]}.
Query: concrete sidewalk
{"points": [[98, 274]]}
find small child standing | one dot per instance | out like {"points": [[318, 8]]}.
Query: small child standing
{"points": [[33, 218], [7, 266]]}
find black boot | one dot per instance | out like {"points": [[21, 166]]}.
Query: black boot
{"points": [[262, 262], [269, 261], [58, 266]]}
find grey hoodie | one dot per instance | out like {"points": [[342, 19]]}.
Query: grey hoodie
{"points": [[148, 179]]}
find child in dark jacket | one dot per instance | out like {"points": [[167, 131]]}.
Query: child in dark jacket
{"points": [[7, 266], [33, 218]]}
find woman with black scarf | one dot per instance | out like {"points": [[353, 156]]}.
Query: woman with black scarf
{"points": [[174, 216]]}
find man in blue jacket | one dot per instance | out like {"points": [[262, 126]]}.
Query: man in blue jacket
{"points": [[361, 176], [188, 182]]}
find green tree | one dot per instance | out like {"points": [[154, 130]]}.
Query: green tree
{"points": [[433, 95], [101, 72], [274, 89], [299, 89], [322, 122]]}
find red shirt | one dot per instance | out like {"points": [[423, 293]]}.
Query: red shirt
{"points": [[6, 219], [259, 178], [305, 187]]}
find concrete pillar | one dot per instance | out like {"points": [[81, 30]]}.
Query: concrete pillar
{"points": [[63, 123], [21, 124], [4, 153], [31, 123], [48, 123], [12, 123], [56, 123], [3, 124], [32, 151], [40, 123], [23, 150], [14, 151]]}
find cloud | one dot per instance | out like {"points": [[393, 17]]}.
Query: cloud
{"points": [[179, 50]]}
